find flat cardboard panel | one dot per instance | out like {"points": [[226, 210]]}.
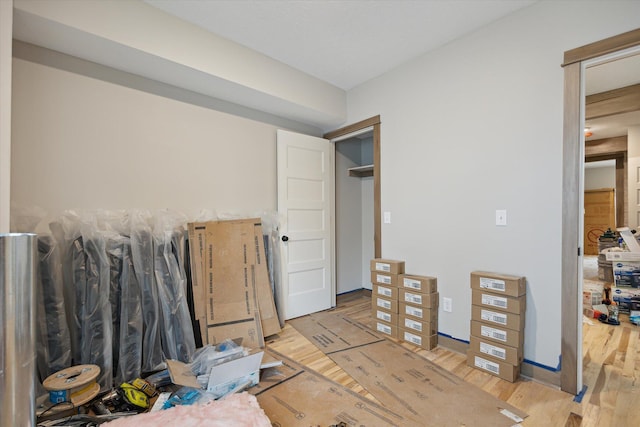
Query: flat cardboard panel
{"points": [[389, 292], [504, 284], [333, 332], [419, 313], [494, 351], [499, 369], [495, 317], [381, 302], [416, 326], [266, 303], [497, 334], [515, 305], [387, 265], [235, 281], [293, 396], [424, 284], [409, 384], [385, 279], [418, 299], [245, 332]]}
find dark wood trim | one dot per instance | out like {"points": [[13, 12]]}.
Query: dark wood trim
{"points": [[602, 47], [572, 161], [621, 191], [377, 214], [605, 147], [375, 120], [617, 101]]}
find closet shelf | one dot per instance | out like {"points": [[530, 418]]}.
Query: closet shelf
{"points": [[361, 171]]}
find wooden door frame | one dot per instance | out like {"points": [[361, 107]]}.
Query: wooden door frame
{"points": [[573, 137], [373, 122]]}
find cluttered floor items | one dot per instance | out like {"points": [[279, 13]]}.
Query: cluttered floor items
{"points": [[614, 292]]}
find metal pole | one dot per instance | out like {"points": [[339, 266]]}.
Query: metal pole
{"points": [[17, 329]]}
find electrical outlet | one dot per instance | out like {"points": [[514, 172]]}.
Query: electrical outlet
{"points": [[447, 305]]}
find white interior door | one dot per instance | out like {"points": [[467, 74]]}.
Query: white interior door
{"points": [[306, 171]]}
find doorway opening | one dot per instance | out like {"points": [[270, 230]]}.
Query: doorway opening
{"points": [[357, 202]]}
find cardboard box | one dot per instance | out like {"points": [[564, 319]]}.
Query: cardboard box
{"points": [[622, 256], [497, 334], [591, 298], [627, 298], [492, 317], [496, 352], [385, 279], [387, 266], [503, 303], [387, 329], [418, 299], [499, 369], [427, 342], [382, 302], [418, 313], [385, 316], [423, 284], [503, 284], [389, 292], [417, 326], [626, 274]]}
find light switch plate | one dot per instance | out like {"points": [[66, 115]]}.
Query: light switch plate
{"points": [[501, 217], [387, 217]]}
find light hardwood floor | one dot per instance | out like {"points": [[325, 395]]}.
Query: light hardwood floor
{"points": [[611, 373]]}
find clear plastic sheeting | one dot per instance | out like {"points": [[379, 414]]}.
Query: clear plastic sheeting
{"points": [[54, 342], [143, 263]]}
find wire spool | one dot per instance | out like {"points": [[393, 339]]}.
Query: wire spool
{"points": [[75, 386]]}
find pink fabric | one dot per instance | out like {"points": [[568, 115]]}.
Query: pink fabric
{"points": [[237, 410]]}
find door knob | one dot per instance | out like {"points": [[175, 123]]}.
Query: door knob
{"points": [[285, 238]]}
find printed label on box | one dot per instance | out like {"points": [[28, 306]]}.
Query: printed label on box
{"points": [[413, 311], [493, 284], [385, 329], [412, 324], [481, 363], [492, 316], [381, 278], [492, 350], [416, 339], [494, 301], [383, 303], [383, 266], [412, 283], [414, 298], [384, 291], [384, 316], [497, 334]]}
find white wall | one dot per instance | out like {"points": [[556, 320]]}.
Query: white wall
{"points": [[80, 142], [6, 25], [633, 174], [599, 177], [348, 218], [477, 126]]}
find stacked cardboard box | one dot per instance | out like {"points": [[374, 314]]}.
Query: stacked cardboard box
{"points": [[385, 277], [497, 324], [418, 310]]}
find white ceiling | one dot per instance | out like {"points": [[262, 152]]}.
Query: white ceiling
{"points": [[343, 42], [346, 43]]}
